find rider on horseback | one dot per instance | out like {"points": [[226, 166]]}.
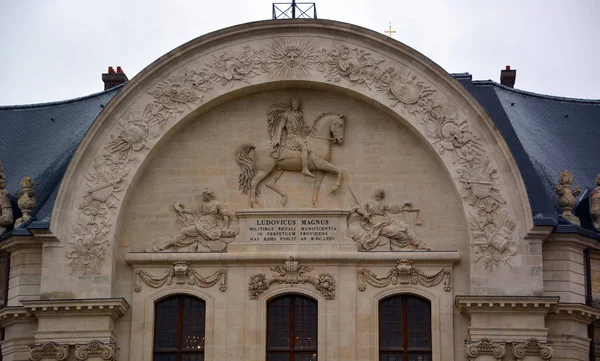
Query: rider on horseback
{"points": [[291, 120]]}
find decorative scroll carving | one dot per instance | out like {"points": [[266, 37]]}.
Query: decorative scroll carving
{"points": [[404, 273], [49, 349], [485, 346], [567, 196], [371, 227], [292, 273], [6, 213], [594, 204], [288, 151], [182, 274], [352, 64], [26, 201], [291, 58], [211, 226], [104, 350], [230, 66], [531, 347]]}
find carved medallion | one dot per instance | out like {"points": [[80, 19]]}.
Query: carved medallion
{"points": [[291, 58]]}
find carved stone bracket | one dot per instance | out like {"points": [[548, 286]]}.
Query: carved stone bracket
{"points": [[485, 346], [182, 273], [531, 347], [292, 273], [103, 350], [404, 273], [49, 349]]}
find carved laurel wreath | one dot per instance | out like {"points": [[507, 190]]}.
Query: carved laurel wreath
{"points": [[491, 226]]}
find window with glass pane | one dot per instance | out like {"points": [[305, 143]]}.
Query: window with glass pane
{"points": [[292, 329], [404, 329], [179, 329]]}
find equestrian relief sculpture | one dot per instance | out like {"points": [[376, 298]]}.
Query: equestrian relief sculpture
{"points": [[294, 146], [210, 226], [372, 227]]}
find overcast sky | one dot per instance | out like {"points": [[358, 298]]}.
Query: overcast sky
{"points": [[57, 49]]}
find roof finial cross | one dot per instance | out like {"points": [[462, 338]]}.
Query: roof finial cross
{"points": [[390, 31]]}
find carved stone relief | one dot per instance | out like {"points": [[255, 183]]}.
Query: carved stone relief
{"points": [[492, 239], [26, 201], [182, 273], [567, 197], [485, 346], [292, 273], [6, 213], [284, 58], [210, 226], [49, 349], [103, 350], [595, 204], [288, 150], [371, 227], [404, 273], [532, 347]]}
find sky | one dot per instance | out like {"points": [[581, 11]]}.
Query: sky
{"points": [[54, 50]]}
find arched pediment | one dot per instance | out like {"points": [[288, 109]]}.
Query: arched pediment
{"points": [[303, 54]]}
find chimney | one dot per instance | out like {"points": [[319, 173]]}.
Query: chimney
{"points": [[508, 77], [114, 78]]}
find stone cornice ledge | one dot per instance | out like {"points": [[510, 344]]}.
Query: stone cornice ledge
{"points": [[9, 315], [470, 304], [579, 311], [113, 307], [430, 258]]}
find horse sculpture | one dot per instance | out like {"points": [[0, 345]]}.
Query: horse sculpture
{"points": [[327, 128]]}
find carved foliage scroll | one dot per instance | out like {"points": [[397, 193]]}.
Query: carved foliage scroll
{"points": [[182, 274], [49, 349], [485, 346], [291, 273], [404, 273], [103, 350], [531, 347]]}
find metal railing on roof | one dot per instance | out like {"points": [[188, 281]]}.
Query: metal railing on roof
{"points": [[294, 10]]}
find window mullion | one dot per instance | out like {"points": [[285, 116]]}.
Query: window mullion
{"points": [[405, 327], [292, 326], [180, 329]]}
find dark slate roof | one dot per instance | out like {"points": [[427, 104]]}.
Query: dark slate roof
{"points": [[546, 135], [39, 141]]}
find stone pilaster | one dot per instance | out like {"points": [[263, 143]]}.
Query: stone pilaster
{"points": [[19, 327], [25, 268], [568, 331]]}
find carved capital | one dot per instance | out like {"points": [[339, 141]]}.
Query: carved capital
{"points": [[103, 350], [404, 273], [292, 272], [485, 346], [531, 347], [49, 349], [181, 272]]}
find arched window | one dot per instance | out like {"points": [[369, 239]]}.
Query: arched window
{"points": [[292, 329], [404, 329], [179, 329]]}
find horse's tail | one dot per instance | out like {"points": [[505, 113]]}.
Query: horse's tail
{"points": [[246, 163]]}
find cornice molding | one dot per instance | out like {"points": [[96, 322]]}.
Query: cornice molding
{"points": [[113, 307], [498, 304]]}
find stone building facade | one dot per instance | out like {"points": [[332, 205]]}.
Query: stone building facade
{"points": [[303, 190]]}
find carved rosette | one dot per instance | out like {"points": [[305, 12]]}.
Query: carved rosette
{"points": [[404, 273], [182, 273], [532, 347], [103, 350], [49, 349], [485, 346], [292, 273], [286, 58]]}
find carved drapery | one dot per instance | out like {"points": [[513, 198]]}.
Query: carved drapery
{"points": [[182, 274], [531, 347], [104, 350], [292, 273], [49, 349], [291, 58], [485, 346], [404, 273]]}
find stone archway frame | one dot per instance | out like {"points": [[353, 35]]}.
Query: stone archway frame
{"points": [[389, 74]]}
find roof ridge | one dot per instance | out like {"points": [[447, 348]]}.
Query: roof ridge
{"points": [[60, 102], [537, 95]]}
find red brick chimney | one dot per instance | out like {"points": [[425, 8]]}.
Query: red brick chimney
{"points": [[508, 77], [112, 78]]}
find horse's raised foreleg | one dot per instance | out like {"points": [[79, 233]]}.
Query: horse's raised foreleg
{"points": [[316, 187], [260, 175], [275, 175]]}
